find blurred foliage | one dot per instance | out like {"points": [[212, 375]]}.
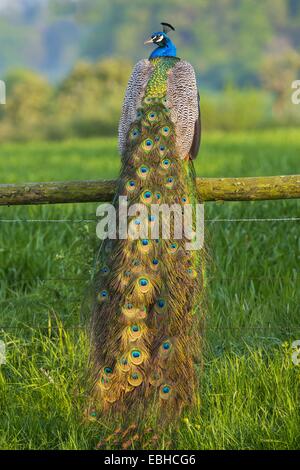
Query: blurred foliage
{"points": [[245, 53], [236, 109], [226, 40], [279, 70], [26, 111], [88, 103], [223, 39]]}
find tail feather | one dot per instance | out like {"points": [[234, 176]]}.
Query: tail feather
{"points": [[145, 329]]}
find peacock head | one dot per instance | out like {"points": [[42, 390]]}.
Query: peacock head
{"points": [[164, 46]]}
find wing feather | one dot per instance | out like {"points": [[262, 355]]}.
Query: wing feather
{"points": [[183, 99], [133, 97]]}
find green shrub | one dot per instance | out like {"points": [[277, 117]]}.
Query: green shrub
{"points": [[236, 109], [88, 104]]}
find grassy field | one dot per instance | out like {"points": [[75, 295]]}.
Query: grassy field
{"points": [[249, 390]]}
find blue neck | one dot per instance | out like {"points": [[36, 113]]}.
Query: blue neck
{"points": [[169, 50]]}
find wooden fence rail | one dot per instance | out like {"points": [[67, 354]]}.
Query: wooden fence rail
{"points": [[209, 189]]}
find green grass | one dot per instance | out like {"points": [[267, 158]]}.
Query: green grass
{"points": [[249, 389]]}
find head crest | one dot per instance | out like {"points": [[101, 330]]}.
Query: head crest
{"points": [[167, 27]]}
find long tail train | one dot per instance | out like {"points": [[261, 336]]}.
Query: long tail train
{"points": [[147, 312]]}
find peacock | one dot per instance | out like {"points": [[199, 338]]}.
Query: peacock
{"points": [[147, 313]]}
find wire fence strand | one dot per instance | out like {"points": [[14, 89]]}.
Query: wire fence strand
{"points": [[213, 328], [92, 221]]}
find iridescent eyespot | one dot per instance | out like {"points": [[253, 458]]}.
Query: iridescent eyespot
{"points": [[165, 164], [129, 306], [166, 346], [144, 285], [139, 114], [165, 392], [135, 332], [158, 197], [148, 100], [134, 133], [165, 130], [143, 171], [152, 116], [145, 245], [104, 270], [108, 370], [170, 182], [173, 247], [135, 379], [103, 296], [162, 150], [130, 186], [157, 138], [136, 354], [147, 145], [161, 303], [146, 197], [184, 200], [155, 264]]}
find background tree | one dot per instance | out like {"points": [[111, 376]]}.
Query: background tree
{"points": [[27, 109], [279, 69], [226, 40]]}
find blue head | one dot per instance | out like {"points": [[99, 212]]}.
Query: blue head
{"points": [[165, 47]]}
